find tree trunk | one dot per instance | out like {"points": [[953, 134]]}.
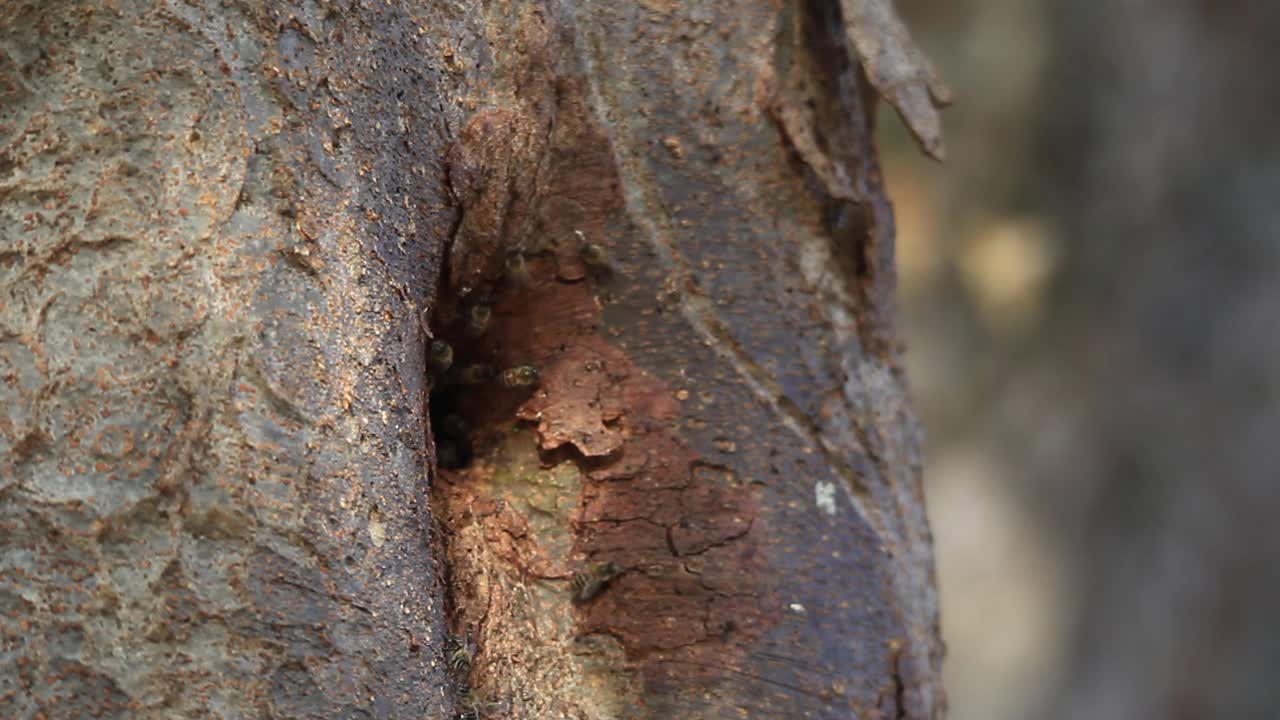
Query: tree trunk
{"points": [[678, 473]]}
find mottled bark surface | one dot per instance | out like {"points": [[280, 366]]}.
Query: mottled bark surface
{"points": [[217, 224], [224, 228]]}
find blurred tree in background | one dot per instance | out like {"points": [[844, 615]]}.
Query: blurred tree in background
{"points": [[1091, 292]]}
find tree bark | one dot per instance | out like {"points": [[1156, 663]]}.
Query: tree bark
{"points": [[232, 229]]}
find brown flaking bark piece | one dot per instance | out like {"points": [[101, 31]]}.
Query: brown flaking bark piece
{"points": [[897, 69]]}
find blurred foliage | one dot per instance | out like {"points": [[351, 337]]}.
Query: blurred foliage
{"points": [[1089, 289]]}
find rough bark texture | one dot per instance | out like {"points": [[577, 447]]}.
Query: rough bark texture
{"points": [[224, 225], [218, 221]]}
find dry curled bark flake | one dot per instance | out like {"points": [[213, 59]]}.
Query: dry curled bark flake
{"points": [[897, 69]]}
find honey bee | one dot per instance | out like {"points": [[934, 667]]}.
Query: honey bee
{"points": [[473, 706], [518, 270], [477, 374], [593, 255], [440, 355], [478, 320], [589, 583], [461, 652], [519, 376], [468, 708]]}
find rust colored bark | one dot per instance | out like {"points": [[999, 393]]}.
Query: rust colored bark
{"points": [[720, 415]]}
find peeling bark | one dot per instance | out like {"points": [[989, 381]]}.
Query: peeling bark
{"points": [[721, 413], [237, 227]]}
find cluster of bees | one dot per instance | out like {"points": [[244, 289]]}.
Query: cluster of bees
{"points": [[452, 431], [449, 380], [441, 360], [460, 651]]}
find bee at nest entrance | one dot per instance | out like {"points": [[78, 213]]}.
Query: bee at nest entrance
{"points": [[469, 388], [479, 365], [477, 377]]}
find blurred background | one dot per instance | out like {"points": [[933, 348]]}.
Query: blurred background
{"points": [[1090, 288]]}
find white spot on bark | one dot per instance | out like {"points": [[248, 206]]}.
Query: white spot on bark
{"points": [[824, 493]]}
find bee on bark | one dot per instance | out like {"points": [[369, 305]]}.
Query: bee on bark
{"points": [[519, 376], [473, 706], [478, 320], [439, 356], [592, 581], [461, 653], [592, 254], [477, 374], [518, 270]]}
